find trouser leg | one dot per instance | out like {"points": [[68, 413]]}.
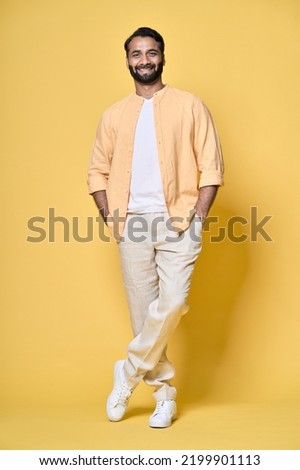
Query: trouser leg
{"points": [[141, 282]]}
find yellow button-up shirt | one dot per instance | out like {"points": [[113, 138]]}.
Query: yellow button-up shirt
{"points": [[188, 147]]}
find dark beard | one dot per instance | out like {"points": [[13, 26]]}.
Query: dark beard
{"points": [[147, 79]]}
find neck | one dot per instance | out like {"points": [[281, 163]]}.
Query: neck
{"points": [[147, 91]]}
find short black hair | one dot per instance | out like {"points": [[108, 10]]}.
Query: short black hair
{"points": [[144, 31]]}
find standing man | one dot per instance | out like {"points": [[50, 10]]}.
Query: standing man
{"points": [[154, 172]]}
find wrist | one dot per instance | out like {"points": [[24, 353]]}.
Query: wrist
{"points": [[103, 214]]}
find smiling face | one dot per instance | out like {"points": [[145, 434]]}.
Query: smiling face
{"points": [[145, 60]]}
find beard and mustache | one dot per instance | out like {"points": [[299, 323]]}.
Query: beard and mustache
{"points": [[154, 72]]}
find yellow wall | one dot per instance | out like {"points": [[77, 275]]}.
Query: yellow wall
{"points": [[64, 313]]}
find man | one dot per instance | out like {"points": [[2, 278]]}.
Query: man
{"points": [[149, 151]]}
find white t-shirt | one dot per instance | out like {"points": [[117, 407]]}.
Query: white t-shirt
{"points": [[146, 191]]}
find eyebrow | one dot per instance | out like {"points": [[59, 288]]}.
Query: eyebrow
{"points": [[148, 50]]}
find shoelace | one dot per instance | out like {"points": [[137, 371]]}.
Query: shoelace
{"points": [[123, 395], [163, 406]]}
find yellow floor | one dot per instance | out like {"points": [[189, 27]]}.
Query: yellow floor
{"points": [[205, 426]]}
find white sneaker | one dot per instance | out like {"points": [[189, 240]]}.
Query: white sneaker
{"points": [[163, 414], [117, 401]]}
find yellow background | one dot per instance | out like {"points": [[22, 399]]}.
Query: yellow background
{"points": [[64, 313]]}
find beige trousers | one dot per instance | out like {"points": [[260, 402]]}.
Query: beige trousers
{"points": [[157, 265]]}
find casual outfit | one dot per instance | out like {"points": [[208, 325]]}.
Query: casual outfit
{"points": [[148, 155]]}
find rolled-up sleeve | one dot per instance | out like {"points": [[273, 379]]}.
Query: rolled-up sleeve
{"points": [[207, 148], [101, 155]]}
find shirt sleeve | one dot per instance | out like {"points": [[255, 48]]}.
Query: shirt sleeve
{"points": [[101, 156], [207, 148]]}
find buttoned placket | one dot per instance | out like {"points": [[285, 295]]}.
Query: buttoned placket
{"points": [[130, 153], [159, 140]]}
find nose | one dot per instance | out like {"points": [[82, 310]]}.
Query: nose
{"points": [[144, 59]]}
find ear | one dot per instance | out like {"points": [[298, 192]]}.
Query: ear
{"points": [[127, 65], [164, 59]]}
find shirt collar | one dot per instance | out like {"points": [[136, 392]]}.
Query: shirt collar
{"points": [[159, 93]]}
